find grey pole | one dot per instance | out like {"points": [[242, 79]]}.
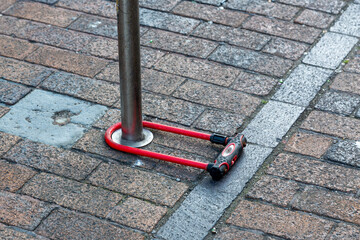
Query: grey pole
{"points": [[132, 132]]}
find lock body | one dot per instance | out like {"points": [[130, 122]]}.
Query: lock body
{"points": [[227, 158]]}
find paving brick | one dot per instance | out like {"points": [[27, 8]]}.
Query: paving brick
{"points": [[251, 60], [50, 35], [148, 58], [102, 47], [167, 21], [96, 25], [308, 144], [111, 117], [353, 65], [138, 183], [274, 190], [180, 172], [347, 82], [280, 222], [272, 123], [3, 111], [7, 232], [220, 122], [210, 13], [93, 142], [178, 43], [68, 61], [338, 102], [13, 176], [330, 51], [331, 204], [170, 109], [282, 29], [254, 83], [22, 72], [198, 69], [37, 118], [11, 93], [164, 5], [96, 7], [330, 6], [187, 144], [229, 233], [63, 224], [15, 48], [138, 214], [315, 19], [22, 211], [348, 22], [110, 73], [4, 4], [235, 36], [43, 13], [52, 159], [285, 48], [335, 125], [160, 82], [12, 26], [7, 141], [72, 194], [345, 231], [267, 8], [315, 172], [347, 152], [214, 96], [212, 2]]}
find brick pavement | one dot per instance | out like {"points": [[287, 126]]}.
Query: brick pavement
{"points": [[210, 65]]}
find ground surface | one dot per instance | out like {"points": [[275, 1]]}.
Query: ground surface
{"points": [[285, 72]]}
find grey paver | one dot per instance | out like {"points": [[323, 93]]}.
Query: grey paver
{"points": [[11, 93], [35, 117], [214, 2], [330, 50], [347, 152], [167, 21], [235, 36], [251, 60], [206, 203], [302, 85], [164, 5], [330, 6], [349, 22], [338, 102], [96, 25], [267, 8], [69, 225], [272, 123]]}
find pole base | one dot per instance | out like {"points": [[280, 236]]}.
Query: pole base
{"points": [[117, 137]]}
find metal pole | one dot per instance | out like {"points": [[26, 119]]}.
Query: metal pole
{"points": [[132, 133]]}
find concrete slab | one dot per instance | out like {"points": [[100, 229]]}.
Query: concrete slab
{"points": [[272, 123], [50, 118], [302, 85], [206, 203], [349, 22]]}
